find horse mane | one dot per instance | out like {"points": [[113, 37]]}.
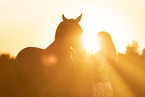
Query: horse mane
{"points": [[59, 30]]}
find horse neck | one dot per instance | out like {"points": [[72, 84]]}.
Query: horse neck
{"points": [[60, 48]]}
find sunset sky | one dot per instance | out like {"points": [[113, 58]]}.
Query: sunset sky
{"points": [[26, 23]]}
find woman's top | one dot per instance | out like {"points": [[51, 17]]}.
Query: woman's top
{"points": [[101, 85]]}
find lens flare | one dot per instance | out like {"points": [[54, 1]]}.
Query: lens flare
{"points": [[49, 60]]}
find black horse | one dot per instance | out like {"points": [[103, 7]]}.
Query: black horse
{"points": [[51, 72]]}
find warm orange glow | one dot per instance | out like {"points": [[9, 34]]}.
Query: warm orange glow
{"points": [[95, 20], [32, 23], [121, 88], [21, 19], [90, 42]]}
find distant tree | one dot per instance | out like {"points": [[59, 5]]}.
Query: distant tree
{"points": [[132, 49], [8, 77]]}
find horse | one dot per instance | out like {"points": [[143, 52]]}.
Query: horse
{"points": [[51, 72]]}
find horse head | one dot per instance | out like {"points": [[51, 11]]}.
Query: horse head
{"points": [[70, 32]]}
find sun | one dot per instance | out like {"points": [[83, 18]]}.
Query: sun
{"points": [[90, 41], [91, 26], [99, 19]]}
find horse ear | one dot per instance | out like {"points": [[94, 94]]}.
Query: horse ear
{"points": [[78, 19], [63, 17]]}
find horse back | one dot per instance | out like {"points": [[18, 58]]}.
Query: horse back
{"points": [[28, 63]]}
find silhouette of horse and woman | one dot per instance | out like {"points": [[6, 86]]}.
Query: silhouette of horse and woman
{"points": [[57, 70]]}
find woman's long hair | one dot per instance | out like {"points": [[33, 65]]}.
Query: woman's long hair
{"points": [[108, 47]]}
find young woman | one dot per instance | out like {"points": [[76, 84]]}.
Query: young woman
{"points": [[103, 60]]}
